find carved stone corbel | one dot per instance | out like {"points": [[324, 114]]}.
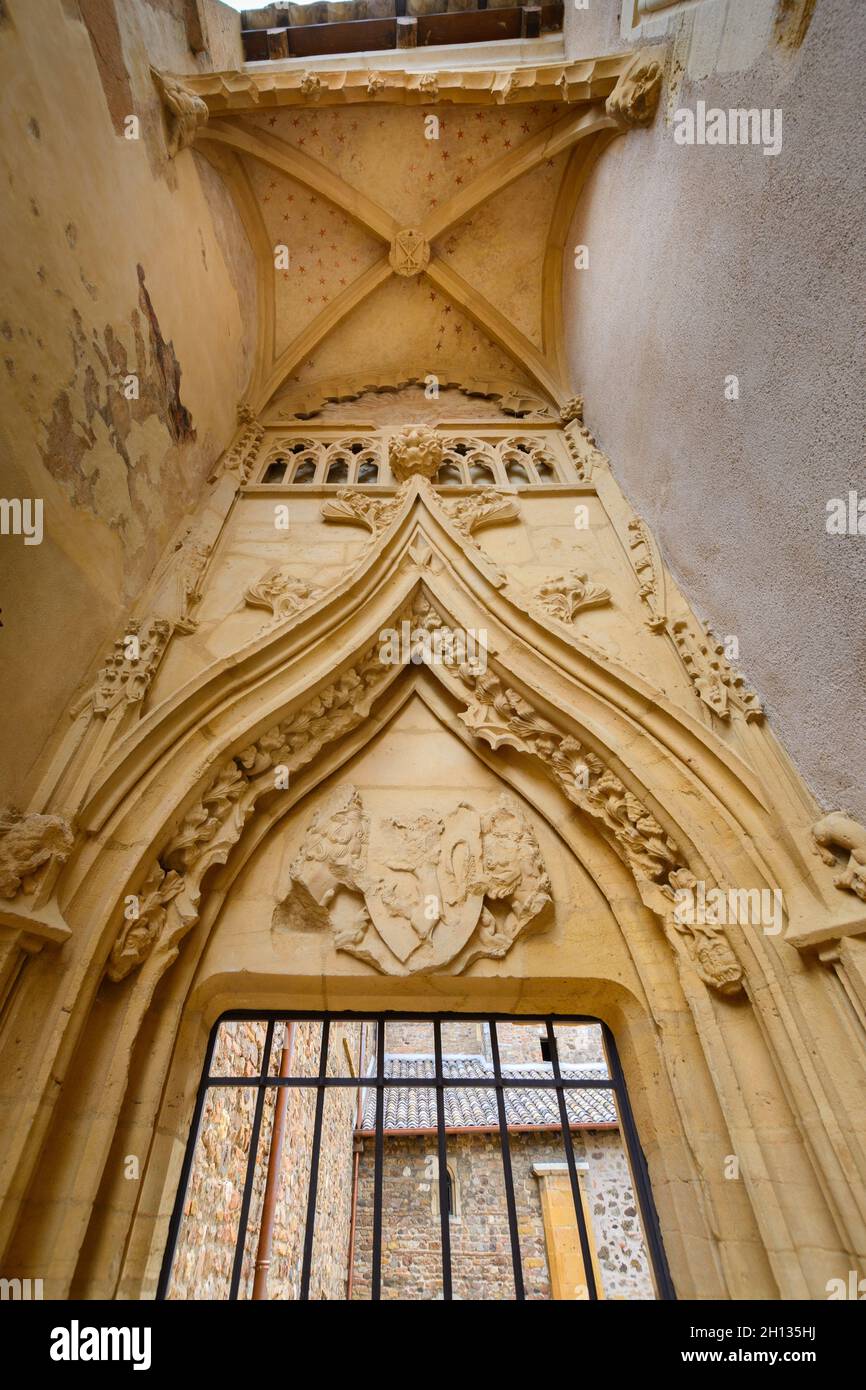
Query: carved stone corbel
{"points": [[839, 829], [33, 849], [28, 844], [185, 112], [635, 97]]}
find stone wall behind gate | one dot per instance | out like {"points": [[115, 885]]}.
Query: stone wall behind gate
{"points": [[206, 1243], [411, 1249], [480, 1241]]}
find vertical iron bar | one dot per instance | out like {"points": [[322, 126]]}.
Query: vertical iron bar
{"points": [[379, 1171], [177, 1213], [583, 1233], [444, 1214], [516, 1264], [640, 1176], [314, 1165], [251, 1163]]}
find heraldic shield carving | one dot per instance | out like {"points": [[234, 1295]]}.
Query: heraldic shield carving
{"points": [[415, 893]]}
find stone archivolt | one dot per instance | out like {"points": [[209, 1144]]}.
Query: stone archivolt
{"points": [[425, 889], [168, 909]]}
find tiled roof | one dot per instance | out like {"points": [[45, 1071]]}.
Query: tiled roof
{"points": [[475, 1107]]}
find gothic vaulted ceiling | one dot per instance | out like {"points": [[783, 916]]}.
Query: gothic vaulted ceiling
{"points": [[406, 224]]}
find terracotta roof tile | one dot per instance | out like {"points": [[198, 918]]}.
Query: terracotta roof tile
{"points": [[473, 1106]]}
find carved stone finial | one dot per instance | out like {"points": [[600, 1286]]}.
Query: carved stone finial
{"points": [[185, 112], [565, 595], [28, 843], [415, 451], [409, 253], [634, 99], [282, 594], [129, 667], [839, 829]]}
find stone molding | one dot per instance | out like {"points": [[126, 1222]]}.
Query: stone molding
{"points": [[584, 80]]}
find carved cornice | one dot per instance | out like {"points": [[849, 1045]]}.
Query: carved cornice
{"points": [[515, 400], [582, 81]]}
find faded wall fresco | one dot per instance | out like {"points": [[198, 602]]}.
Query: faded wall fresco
{"points": [[127, 325]]}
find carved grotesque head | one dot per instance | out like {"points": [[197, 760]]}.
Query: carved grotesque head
{"points": [[718, 965], [415, 451]]}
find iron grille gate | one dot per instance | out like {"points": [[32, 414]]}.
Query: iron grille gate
{"points": [[264, 1080]]}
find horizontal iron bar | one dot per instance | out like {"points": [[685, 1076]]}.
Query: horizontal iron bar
{"points": [[427, 1083]]}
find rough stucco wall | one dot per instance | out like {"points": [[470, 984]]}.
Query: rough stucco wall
{"points": [[117, 261], [707, 261]]}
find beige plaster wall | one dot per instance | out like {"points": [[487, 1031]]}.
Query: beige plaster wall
{"points": [[708, 261], [117, 261]]}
